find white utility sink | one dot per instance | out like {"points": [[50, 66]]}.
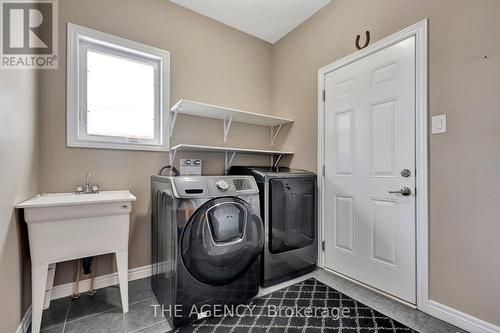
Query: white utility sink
{"points": [[66, 226], [68, 199]]}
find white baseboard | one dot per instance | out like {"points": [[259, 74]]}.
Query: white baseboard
{"points": [[460, 319], [103, 281], [25, 322]]}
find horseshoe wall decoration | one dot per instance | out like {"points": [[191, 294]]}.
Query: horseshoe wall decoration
{"points": [[367, 41]]}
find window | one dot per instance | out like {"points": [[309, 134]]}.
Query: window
{"points": [[118, 92]]}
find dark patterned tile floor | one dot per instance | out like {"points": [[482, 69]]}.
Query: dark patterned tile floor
{"points": [[104, 313]]}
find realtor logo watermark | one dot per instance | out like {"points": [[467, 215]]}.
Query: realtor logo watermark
{"points": [[220, 310], [28, 34]]}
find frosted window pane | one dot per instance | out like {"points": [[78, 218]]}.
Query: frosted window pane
{"points": [[120, 97]]}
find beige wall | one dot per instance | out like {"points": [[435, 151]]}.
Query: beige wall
{"points": [[464, 163], [210, 62], [19, 181]]}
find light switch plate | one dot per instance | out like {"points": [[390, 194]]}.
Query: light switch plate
{"points": [[439, 124]]}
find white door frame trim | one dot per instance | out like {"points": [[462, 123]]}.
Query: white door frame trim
{"points": [[419, 31]]}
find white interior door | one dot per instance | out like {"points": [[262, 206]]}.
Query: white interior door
{"points": [[369, 141]]}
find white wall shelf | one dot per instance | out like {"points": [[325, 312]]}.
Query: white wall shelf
{"points": [[227, 115], [230, 153]]}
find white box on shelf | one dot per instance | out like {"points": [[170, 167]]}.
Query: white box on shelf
{"points": [[191, 167]]}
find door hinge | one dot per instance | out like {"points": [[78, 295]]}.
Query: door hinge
{"points": [[324, 95], [323, 246], [323, 171]]}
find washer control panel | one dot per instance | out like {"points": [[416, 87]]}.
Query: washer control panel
{"points": [[214, 186], [231, 185], [242, 184], [222, 185]]}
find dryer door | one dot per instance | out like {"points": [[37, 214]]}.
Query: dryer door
{"points": [[221, 240], [292, 206]]}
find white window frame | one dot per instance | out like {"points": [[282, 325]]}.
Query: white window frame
{"points": [[79, 40]]}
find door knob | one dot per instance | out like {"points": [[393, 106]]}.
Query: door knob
{"points": [[404, 191], [406, 173]]}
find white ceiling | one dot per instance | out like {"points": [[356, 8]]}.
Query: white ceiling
{"points": [[269, 20]]}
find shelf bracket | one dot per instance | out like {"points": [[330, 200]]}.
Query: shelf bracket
{"points": [[275, 130], [173, 118], [227, 125], [171, 156], [278, 160], [228, 160]]}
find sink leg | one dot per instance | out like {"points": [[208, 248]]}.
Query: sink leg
{"points": [[122, 266], [38, 282]]}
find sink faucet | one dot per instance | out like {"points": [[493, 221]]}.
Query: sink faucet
{"points": [[88, 188], [87, 184]]}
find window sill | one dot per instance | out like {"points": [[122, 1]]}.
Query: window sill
{"points": [[117, 146]]}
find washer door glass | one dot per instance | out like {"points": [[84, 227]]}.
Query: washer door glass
{"points": [[221, 240]]}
